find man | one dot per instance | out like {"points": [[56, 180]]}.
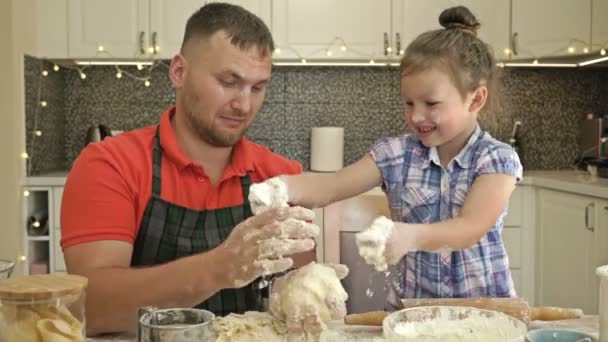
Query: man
{"points": [[160, 216]]}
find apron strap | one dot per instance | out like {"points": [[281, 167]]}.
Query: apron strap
{"points": [[157, 159]]}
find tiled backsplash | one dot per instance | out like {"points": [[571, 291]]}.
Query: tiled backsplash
{"points": [[364, 100]]}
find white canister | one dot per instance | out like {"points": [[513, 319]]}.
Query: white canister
{"points": [[602, 273], [326, 149]]}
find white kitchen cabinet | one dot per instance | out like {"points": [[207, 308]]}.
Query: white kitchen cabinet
{"points": [[599, 30], [120, 26], [49, 23], [135, 28], [548, 27], [413, 17], [572, 239], [168, 21], [317, 29]]}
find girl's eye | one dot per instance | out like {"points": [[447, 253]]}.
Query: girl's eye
{"points": [[409, 103], [432, 103], [228, 83]]}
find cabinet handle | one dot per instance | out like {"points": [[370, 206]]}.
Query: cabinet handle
{"points": [[514, 43], [386, 44], [398, 44], [154, 47], [590, 228], [141, 42]]}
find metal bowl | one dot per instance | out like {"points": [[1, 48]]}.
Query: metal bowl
{"points": [[6, 268], [395, 327]]}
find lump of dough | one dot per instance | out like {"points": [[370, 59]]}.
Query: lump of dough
{"points": [[310, 287], [372, 242], [269, 194]]}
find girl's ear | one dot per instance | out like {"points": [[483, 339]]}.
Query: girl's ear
{"points": [[479, 97]]}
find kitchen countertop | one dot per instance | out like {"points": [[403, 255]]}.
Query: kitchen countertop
{"points": [[573, 181], [587, 324]]}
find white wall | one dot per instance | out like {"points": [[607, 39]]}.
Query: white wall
{"points": [[15, 37]]}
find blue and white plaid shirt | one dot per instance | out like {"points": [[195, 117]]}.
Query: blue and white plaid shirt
{"points": [[420, 190]]}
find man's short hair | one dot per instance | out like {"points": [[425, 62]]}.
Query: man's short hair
{"points": [[244, 28]]}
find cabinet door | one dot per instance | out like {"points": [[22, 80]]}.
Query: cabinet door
{"points": [[549, 27], [168, 21], [51, 29], [600, 25], [565, 264], [319, 28], [117, 25], [413, 17]]}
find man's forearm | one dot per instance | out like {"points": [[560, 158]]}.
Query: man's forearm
{"points": [[115, 294]]}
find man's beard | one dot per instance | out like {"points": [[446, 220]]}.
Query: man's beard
{"points": [[211, 136]]}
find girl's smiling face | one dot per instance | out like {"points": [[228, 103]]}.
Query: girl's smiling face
{"points": [[435, 110]]}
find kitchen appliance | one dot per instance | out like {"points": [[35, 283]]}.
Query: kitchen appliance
{"points": [[593, 140], [97, 133]]}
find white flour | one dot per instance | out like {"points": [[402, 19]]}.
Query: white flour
{"points": [[372, 242], [267, 195], [476, 327]]}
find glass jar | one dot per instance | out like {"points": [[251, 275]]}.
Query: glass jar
{"points": [[43, 308], [602, 273]]}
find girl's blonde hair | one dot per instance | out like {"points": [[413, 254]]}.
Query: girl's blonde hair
{"points": [[456, 49]]}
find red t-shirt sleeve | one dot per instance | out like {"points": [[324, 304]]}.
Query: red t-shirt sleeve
{"points": [[97, 203]]}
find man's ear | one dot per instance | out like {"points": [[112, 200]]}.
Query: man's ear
{"points": [[479, 97], [177, 70]]}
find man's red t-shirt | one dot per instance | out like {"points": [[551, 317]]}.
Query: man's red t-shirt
{"points": [[110, 183]]}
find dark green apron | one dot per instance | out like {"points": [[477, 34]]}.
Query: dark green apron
{"points": [[169, 231]]}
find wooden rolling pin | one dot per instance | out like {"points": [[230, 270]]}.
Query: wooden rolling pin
{"points": [[514, 307]]}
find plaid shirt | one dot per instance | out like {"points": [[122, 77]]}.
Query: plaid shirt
{"points": [[420, 190]]}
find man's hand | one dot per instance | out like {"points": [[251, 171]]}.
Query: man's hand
{"points": [[294, 297], [258, 245]]}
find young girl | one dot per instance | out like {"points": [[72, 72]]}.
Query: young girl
{"points": [[448, 183]]}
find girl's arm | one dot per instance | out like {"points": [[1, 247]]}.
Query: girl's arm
{"points": [[484, 203], [313, 190]]}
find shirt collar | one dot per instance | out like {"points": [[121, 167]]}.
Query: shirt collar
{"points": [[463, 158], [241, 153]]}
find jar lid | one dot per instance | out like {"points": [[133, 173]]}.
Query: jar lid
{"points": [[41, 286]]}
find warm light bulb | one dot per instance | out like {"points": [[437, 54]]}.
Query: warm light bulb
{"points": [[23, 258], [45, 73], [43, 103], [151, 49], [389, 49], [38, 133], [343, 48], [277, 51], [147, 83], [26, 193], [83, 75], [119, 75], [571, 49], [603, 52], [100, 48], [586, 50], [507, 51], [303, 60], [140, 67], [56, 67], [36, 224], [401, 52], [156, 48], [371, 61], [535, 61], [329, 53], [24, 155]]}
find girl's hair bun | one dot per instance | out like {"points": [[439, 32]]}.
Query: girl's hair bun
{"points": [[459, 17]]}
